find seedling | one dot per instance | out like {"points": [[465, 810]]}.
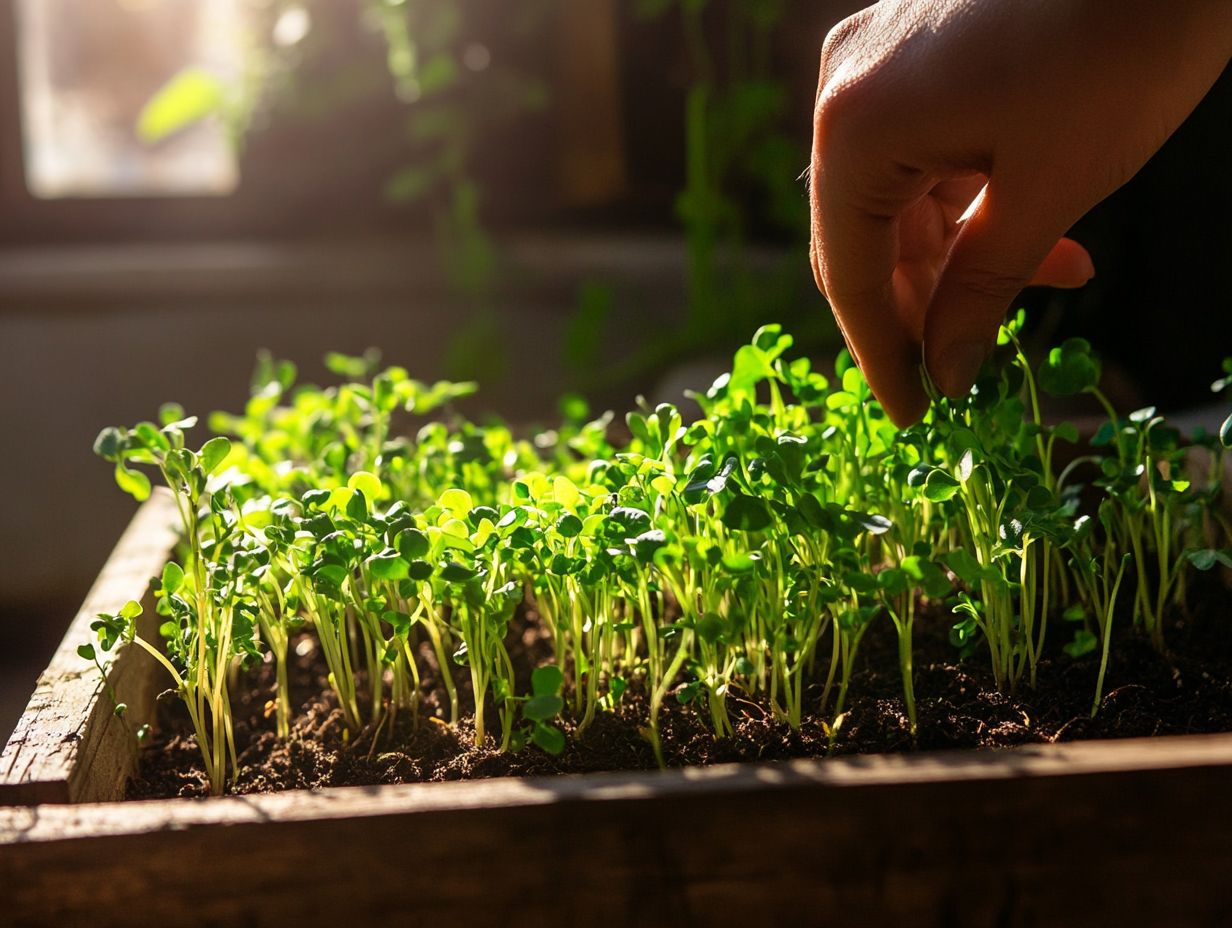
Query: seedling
{"points": [[748, 552], [209, 608]]}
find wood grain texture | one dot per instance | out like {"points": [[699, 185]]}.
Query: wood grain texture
{"points": [[1133, 832], [1095, 833], [68, 745]]}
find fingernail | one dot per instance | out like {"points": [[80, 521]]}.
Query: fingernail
{"points": [[960, 364]]}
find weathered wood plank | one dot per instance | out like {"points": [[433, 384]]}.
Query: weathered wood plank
{"points": [[1129, 832], [1073, 759], [68, 746], [1082, 834]]}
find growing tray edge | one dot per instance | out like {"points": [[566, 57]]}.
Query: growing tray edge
{"points": [[69, 747]]}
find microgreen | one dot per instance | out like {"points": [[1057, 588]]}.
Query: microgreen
{"points": [[747, 553]]}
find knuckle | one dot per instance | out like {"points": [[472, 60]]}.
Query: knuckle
{"points": [[840, 40], [849, 86], [841, 107], [836, 100]]}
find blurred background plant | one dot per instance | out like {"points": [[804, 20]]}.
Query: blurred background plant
{"points": [[742, 184], [741, 178], [450, 89]]}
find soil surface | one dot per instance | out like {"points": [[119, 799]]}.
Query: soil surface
{"points": [[1187, 691]]}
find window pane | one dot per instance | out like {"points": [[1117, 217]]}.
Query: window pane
{"points": [[89, 67]]}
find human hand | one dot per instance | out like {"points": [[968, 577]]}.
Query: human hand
{"points": [[954, 143]]}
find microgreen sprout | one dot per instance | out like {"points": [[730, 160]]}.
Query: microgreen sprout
{"points": [[745, 555]]}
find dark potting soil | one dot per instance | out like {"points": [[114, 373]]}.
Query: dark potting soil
{"points": [[958, 706]]}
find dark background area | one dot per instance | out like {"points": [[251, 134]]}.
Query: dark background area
{"points": [[110, 306]]}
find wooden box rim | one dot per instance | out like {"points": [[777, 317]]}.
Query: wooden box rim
{"points": [[69, 749]]}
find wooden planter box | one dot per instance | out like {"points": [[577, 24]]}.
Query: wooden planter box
{"points": [[1125, 833]]}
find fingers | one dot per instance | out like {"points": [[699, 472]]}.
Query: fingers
{"points": [[999, 251], [960, 194], [855, 251], [856, 255], [1068, 265]]}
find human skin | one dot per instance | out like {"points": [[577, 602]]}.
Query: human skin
{"points": [[955, 141]]}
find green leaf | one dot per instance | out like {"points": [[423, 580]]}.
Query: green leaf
{"points": [[565, 492], [1084, 642], [1069, 369], [963, 632], [940, 486], [626, 522], [549, 738], [412, 544], [1039, 499], [173, 577], [966, 568], [926, 575], [352, 366], [86, 652], [1104, 435], [542, 707], [739, 562], [573, 406], [400, 622], [710, 627], [169, 413], [133, 482], [331, 574], [456, 501], [637, 426], [389, 566], [1225, 432], [747, 514], [130, 610], [562, 565], [109, 444], [812, 511], [748, 369], [547, 680], [366, 483], [453, 572], [718, 482], [357, 506], [150, 437], [689, 692], [1206, 558], [854, 382], [189, 97], [1066, 431], [213, 453]]}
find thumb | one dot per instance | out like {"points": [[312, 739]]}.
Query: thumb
{"points": [[1067, 266], [998, 252]]}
